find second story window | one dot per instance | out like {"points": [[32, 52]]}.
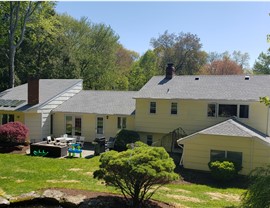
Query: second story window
{"points": [[152, 107], [211, 110], [121, 122], [225, 110], [173, 108], [244, 109]]}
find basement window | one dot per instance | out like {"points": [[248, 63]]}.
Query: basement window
{"points": [[149, 140]]}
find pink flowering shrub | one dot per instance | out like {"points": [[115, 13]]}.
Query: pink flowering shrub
{"points": [[13, 133]]}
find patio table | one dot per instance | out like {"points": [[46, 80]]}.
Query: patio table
{"points": [[65, 139]]}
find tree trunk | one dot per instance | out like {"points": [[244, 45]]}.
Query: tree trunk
{"points": [[135, 198], [11, 66]]}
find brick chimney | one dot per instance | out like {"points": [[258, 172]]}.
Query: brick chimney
{"points": [[33, 91], [170, 71]]}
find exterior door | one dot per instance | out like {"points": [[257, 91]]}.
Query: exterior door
{"points": [[73, 125], [100, 126]]}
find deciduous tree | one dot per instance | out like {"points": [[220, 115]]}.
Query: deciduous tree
{"points": [[184, 50]]}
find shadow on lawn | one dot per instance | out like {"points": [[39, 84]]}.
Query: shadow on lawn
{"points": [[205, 178]]}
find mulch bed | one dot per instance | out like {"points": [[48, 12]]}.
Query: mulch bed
{"points": [[20, 149]]}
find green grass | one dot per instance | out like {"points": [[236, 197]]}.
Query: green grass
{"points": [[20, 174]]}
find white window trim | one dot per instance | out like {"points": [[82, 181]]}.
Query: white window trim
{"points": [[176, 109], [149, 112], [217, 110]]}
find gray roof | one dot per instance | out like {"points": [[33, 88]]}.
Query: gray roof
{"points": [[231, 127], [207, 87], [48, 89], [100, 102]]}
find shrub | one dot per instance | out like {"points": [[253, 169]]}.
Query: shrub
{"points": [[257, 194], [125, 137], [13, 133], [223, 170], [137, 171]]}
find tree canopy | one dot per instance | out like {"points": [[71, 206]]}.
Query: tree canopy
{"points": [[48, 45], [184, 50], [262, 65]]}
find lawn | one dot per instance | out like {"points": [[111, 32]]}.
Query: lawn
{"points": [[20, 174]]}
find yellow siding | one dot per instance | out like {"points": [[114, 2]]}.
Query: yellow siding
{"points": [[89, 125], [197, 151], [33, 122], [18, 116], [192, 116]]}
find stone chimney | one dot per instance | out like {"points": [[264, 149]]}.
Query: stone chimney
{"points": [[170, 71], [33, 91]]}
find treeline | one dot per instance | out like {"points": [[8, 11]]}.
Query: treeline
{"points": [[55, 46]]}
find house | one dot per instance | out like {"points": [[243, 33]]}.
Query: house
{"points": [[203, 117], [95, 114], [33, 102]]}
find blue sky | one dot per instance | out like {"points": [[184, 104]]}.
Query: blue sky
{"points": [[221, 26]]}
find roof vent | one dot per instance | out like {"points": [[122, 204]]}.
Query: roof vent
{"points": [[197, 78], [247, 77]]}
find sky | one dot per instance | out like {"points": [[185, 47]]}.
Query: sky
{"points": [[221, 26]]}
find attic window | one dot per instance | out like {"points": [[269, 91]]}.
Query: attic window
{"points": [[197, 78], [247, 77]]}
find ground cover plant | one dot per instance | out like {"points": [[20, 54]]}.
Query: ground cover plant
{"points": [[21, 174]]}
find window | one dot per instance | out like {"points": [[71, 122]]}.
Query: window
{"points": [[7, 118], [230, 155], [51, 124], [121, 122], [100, 125], [153, 107], [235, 157], [211, 110], [244, 109], [227, 110], [149, 140], [217, 155], [173, 108]]}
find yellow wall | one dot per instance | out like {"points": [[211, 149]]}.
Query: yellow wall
{"points": [[192, 116], [196, 154], [18, 116], [89, 125]]}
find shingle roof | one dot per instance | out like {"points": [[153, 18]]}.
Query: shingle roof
{"points": [[48, 88], [208, 87], [100, 102], [231, 127]]}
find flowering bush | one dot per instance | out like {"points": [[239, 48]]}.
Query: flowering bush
{"points": [[13, 133]]}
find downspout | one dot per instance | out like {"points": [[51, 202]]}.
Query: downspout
{"points": [[267, 121]]}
